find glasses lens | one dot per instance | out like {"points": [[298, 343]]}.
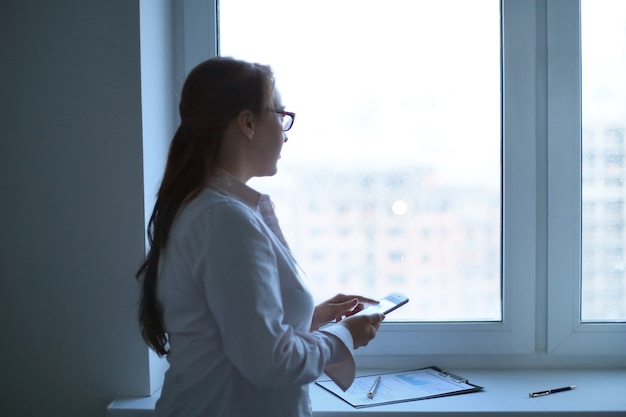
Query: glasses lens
{"points": [[287, 121]]}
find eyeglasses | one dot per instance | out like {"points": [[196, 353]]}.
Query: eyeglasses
{"points": [[286, 118]]}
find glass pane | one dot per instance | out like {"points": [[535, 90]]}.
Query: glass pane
{"points": [[603, 32], [391, 178]]}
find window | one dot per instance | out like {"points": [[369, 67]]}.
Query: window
{"points": [[585, 182], [540, 201], [398, 128], [603, 33]]}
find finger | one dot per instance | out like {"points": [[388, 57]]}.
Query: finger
{"points": [[373, 329], [359, 307], [342, 310], [346, 306], [365, 300], [376, 319]]}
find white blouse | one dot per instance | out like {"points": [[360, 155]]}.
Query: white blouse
{"points": [[237, 314]]}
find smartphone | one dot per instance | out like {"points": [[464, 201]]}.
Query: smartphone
{"points": [[386, 305]]}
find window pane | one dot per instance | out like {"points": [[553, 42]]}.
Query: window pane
{"points": [[391, 177], [603, 32]]}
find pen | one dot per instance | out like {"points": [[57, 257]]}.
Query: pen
{"points": [[372, 390], [551, 391]]}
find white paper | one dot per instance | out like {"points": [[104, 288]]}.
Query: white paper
{"points": [[399, 387]]}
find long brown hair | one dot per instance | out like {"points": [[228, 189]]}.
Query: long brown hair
{"points": [[214, 93]]}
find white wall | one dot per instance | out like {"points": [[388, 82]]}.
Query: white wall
{"points": [[71, 206]]}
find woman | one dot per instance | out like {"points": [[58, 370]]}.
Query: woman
{"points": [[222, 295]]}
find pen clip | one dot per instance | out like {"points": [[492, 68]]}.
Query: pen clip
{"points": [[538, 394]]}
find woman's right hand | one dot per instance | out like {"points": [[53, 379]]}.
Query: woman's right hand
{"points": [[363, 327]]}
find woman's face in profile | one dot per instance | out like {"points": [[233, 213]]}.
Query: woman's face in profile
{"points": [[268, 139]]}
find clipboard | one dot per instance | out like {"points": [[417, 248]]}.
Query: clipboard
{"points": [[403, 386]]}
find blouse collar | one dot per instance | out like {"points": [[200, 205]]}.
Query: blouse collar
{"points": [[226, 183]]}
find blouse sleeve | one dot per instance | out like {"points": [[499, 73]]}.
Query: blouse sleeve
{"points": [[237, 270]]}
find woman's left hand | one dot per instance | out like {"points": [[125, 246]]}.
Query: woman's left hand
{"points": [[338, 307]]}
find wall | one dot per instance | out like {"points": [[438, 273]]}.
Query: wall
{"points": [[71, 206], [159, 108]]}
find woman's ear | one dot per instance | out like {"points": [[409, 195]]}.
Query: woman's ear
{"points": [[246, 122]]}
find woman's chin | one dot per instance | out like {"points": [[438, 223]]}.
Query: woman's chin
{"points": [[269, 172]]}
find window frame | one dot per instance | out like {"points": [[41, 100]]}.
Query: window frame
{"points": [[540, 111], [568, 334]]}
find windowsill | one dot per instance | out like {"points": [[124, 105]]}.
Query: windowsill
{"points": [[598, 392]]}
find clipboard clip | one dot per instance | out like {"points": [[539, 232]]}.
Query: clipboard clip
{"points": [[454, 377]]}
